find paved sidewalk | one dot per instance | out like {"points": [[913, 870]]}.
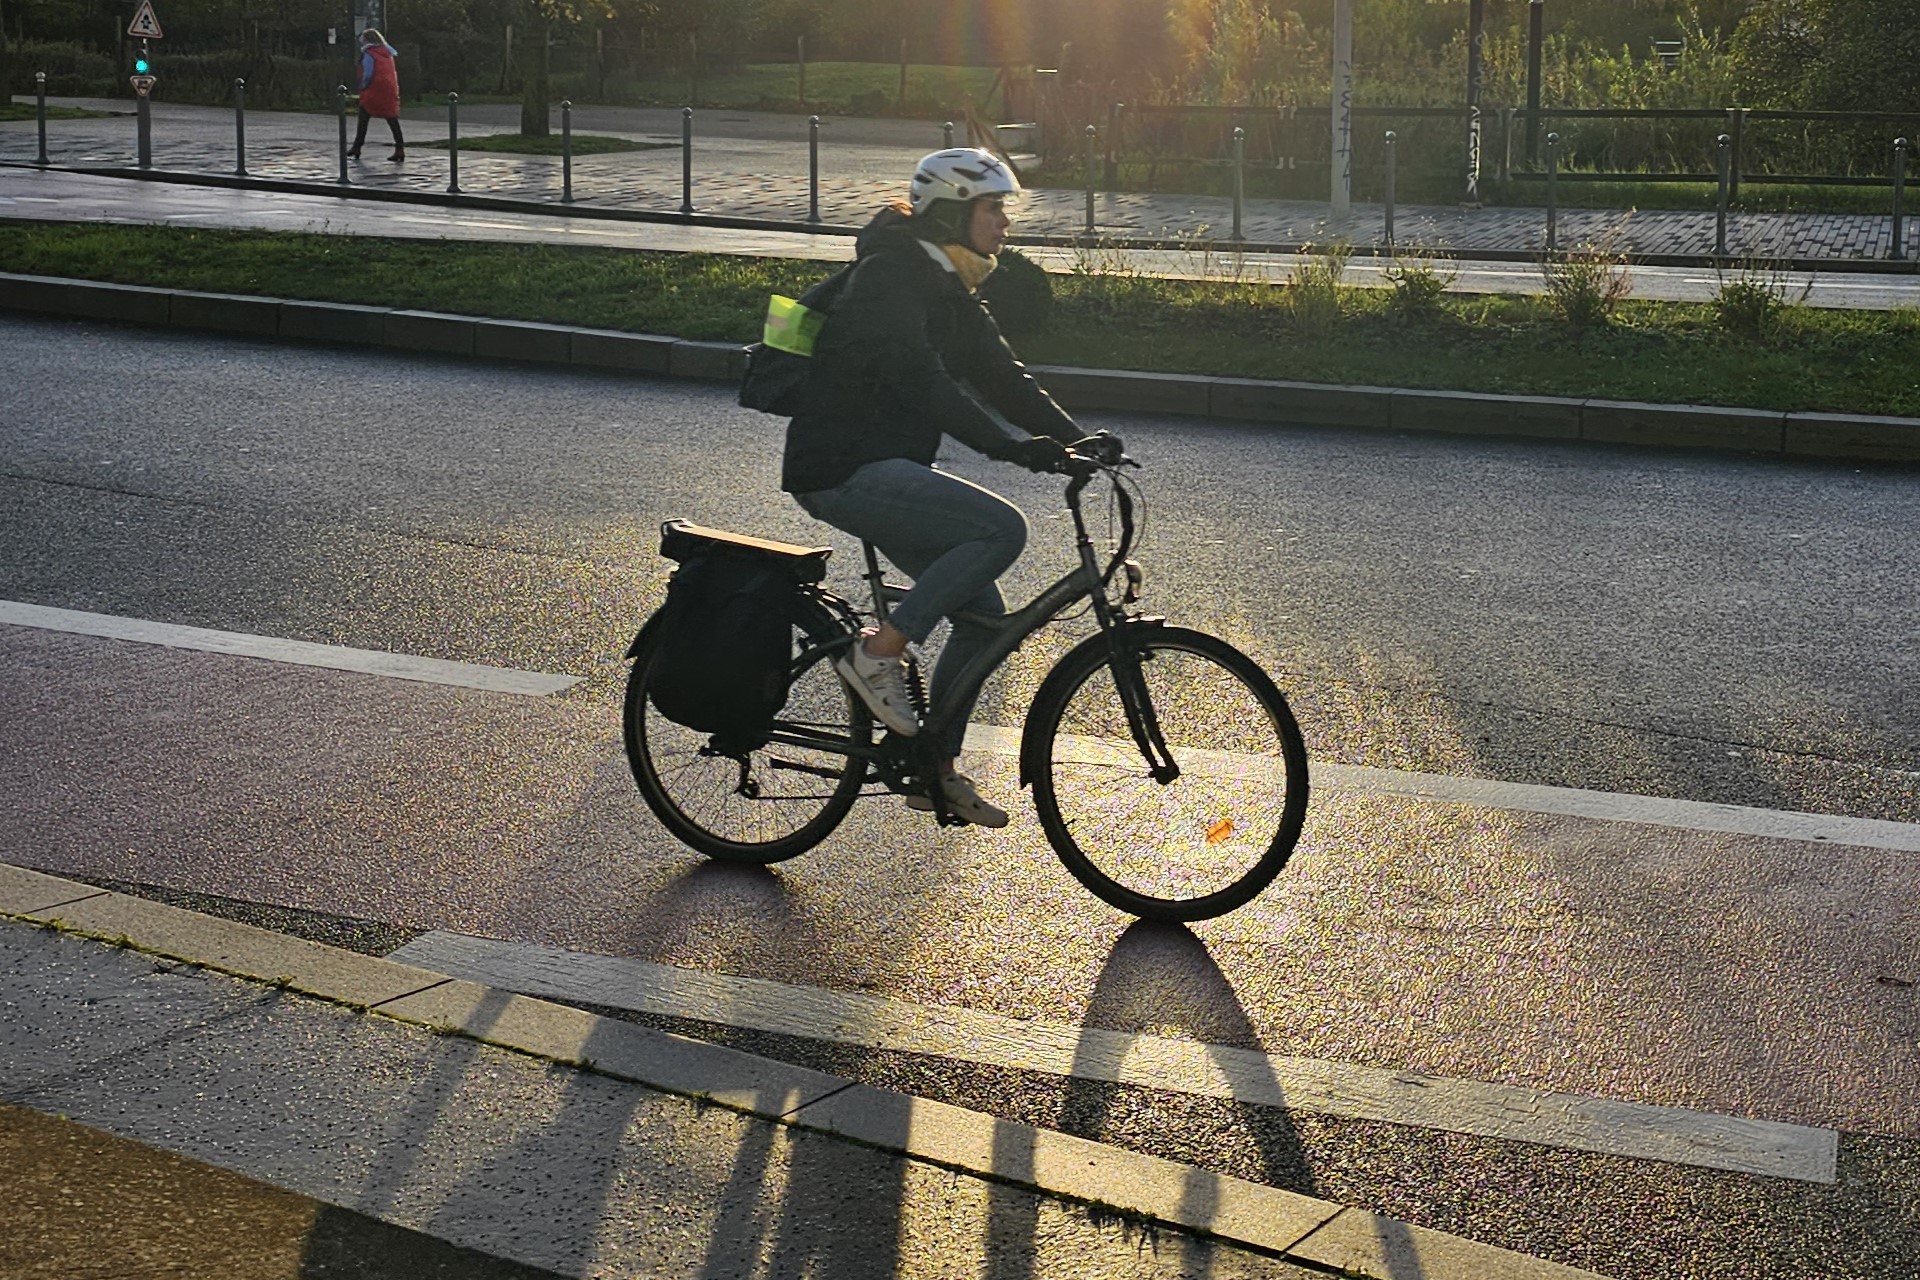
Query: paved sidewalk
{"points": [[756, 167], [224, 1090]]}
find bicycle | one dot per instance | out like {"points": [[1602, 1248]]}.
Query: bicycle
{"points": [[1167, 770]]}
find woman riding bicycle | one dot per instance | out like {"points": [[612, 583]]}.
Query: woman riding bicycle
{"points": [[907, 355]]}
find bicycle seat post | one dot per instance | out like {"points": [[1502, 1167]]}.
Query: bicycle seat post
{"points": [[875, 583]]}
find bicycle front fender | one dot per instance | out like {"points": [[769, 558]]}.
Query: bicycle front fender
{"points": [[1033, 751]]}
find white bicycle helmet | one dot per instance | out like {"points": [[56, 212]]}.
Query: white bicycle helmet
{"points": [[960, 174]]}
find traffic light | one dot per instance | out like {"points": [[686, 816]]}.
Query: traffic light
{"points": [[142, 66]]}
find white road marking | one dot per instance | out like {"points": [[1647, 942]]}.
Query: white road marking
{"points": [[1600, 806], [1508, 1112], [373, 662], [1572, 802]]}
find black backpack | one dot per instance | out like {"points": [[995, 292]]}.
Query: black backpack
{"points": [[776, 380], [725, 647]]}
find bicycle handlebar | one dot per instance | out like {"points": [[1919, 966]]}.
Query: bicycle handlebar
{"points": [[1098, 452]]}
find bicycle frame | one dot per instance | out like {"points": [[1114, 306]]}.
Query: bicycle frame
{"points": [[1010, 631]]}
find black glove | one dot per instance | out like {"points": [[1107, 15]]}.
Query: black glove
{"points": [[1040, 453]]}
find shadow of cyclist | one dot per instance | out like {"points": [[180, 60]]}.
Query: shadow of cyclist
{"points": [[1160, 979]]}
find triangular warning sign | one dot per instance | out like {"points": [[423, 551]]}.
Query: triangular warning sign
{"points": [[145, 25]]}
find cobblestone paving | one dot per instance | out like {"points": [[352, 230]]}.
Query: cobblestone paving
{"points": [[769, 180]]}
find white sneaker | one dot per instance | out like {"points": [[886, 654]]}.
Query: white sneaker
{"points": [[882, 685], [963, 801]]}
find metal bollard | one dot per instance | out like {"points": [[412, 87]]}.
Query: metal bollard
{"points": [[1239, 179], [566, 151], [1899, 199], [1092, 134], [947, 131], [40, 92], [453, 144], [1553, 195], [686, 161], [813, 168], [340, 112], [1720, 207], [240, 127], [1393, 142]]}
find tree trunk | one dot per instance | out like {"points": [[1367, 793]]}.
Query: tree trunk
{"points": [[534, 90]]}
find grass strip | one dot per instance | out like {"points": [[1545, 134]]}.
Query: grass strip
{"points": [[1807, 359]]}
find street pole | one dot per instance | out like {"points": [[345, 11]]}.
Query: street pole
{"points": [[1476, 51], [1342, 195], [240, 127], [1536, 40], [40, 93]]}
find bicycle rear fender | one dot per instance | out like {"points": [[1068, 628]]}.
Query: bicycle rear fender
{"points": [[640, 636]]}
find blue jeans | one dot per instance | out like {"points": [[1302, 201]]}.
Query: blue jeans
{"points": [[951, 536]]}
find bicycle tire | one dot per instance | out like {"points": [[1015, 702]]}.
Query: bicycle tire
{"points": [[1211, 839], [697, 792]]}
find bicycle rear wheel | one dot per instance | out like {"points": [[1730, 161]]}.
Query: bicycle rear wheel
{"points": [[775, 801], [1212, 838]]}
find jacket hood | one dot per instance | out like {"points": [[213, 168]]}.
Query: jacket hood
{"points": [[891, 231]]}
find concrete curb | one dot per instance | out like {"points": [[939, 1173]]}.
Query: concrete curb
{"points": [[1295, 1227], [1849, 437]]}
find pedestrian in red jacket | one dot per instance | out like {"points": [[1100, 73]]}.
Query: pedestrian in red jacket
{"points": [[379, 91]]}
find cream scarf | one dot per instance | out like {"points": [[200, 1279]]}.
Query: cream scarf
{"points": [[971, 267]]}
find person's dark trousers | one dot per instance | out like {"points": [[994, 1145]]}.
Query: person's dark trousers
{"points": [[360, 133]]}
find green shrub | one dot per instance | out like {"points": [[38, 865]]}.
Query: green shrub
{"points": [[1584, 285], [1019, 294], [1418, 286], [1750, 303], [72, 71], [1315, 292]]}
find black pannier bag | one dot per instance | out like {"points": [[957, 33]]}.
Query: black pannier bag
{"points": [[725, 645]]}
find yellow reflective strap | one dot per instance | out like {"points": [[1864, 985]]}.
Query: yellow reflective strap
{"points": [[791, 327]]}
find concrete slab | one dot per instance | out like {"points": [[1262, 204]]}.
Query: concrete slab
{"points": [[1682, 426], [1126, 390], [1361, 1243], [44, 294], [717, 361], [1300, 403], [343, 322], [430, 331], [226, 313], [520, 340], [634, 352], [329, 972], [23, 892], [1265, 1217], [1842, 435], [1465, 413], [92, 300], [622, 1049]]}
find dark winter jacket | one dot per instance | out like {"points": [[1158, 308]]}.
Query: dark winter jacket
{"points": [[904, 352]]}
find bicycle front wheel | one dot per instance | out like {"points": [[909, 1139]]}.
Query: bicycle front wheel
{"points": [[1203, 843], [773, 802]]}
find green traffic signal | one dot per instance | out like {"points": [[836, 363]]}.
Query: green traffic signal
{"points": [[141, 66]]}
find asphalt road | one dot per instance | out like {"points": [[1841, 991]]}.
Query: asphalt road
{"points": [[1703, 628]]}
